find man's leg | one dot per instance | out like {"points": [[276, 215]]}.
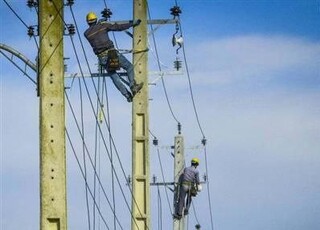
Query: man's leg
{"points": [[182, 198], [189, 199], [118, 83], [125, 64]]}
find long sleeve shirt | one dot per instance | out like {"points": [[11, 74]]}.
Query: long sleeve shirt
{"points": [[97, 35], [191, 174]]}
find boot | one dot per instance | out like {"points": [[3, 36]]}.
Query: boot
{"points": [[136, 88], [129, 97]]}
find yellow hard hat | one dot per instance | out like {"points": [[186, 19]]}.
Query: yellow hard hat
{"points": [[195, 160], [91, 17]]}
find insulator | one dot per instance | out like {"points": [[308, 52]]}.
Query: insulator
{"points": [[71, 29], [70, 2], [155, 141], [32, 3], [106, 13], [175, 11], [205, 177], [154, 179], [179, 128], [204, 141], [30, 31], [177, 64]]}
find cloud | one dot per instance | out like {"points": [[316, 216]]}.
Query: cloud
{"points": [[254, 58]]}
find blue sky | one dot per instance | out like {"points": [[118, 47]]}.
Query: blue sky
{"points": [[254, 67]]}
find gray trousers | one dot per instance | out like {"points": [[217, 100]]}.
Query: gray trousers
{"points": [[185, 192]]}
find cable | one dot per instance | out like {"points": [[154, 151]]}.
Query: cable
{"points": [[104, 86], [159, 66], [96, 152], [79, 164], [15, 13], [195, 213], [117, 154], [83, 152], [104, 142], [208, 190], [159, 209], [87, 151], [190, 87], [162, 173], [24, 72], [198, 121]]}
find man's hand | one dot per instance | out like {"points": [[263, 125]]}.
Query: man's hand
{"points": [[136, 22]]}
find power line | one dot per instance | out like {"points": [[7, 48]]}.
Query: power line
{"points": [[87, 152], [91, 103], [163, 179], [24, 72], [79, 164], [159, 66], [83, 152]]}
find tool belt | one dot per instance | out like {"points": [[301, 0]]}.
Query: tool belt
{"points": [[113, 62], [193, 190]]}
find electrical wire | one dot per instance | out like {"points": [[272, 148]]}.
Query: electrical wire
{"points": [[24, 72], [91, 104], [159, 210], [160, 69], [198, 120], [88, 154], [163, 179], [96, 152], [117, 154], [79, 164], [83, 153], [190, 87], [110, 143], [208, 190], [20, 19]]}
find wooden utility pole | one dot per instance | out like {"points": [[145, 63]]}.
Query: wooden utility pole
{"points": [[178, 170], [53, 210], [140, 124]]}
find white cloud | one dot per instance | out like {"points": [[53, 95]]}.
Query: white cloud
{"points": [[253, 57]]}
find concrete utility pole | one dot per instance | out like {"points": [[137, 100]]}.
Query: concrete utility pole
{"points": [[178, 170], [140, 124], [53, 208]]}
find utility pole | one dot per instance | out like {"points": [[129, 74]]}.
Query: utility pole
{"points": [[178, 170], [140, 124], [53, 205]]}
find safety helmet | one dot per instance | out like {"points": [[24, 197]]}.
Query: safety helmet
{"points": [[91, 17], [195, 161]]}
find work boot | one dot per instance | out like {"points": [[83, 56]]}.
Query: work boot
{"points": [[186, 212], [136, 88], [129, 97]]}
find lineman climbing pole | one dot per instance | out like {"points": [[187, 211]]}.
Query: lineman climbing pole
{"points": [[53, 207], [140, 125]]}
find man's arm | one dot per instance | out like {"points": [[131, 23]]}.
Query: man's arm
{"points": [[122, 26]]}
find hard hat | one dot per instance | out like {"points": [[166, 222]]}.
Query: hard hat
{"points": [[91, 17], [199, 187], [195, 160]]}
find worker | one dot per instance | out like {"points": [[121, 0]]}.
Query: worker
{"points": [[109, 57], [189, 186]]}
